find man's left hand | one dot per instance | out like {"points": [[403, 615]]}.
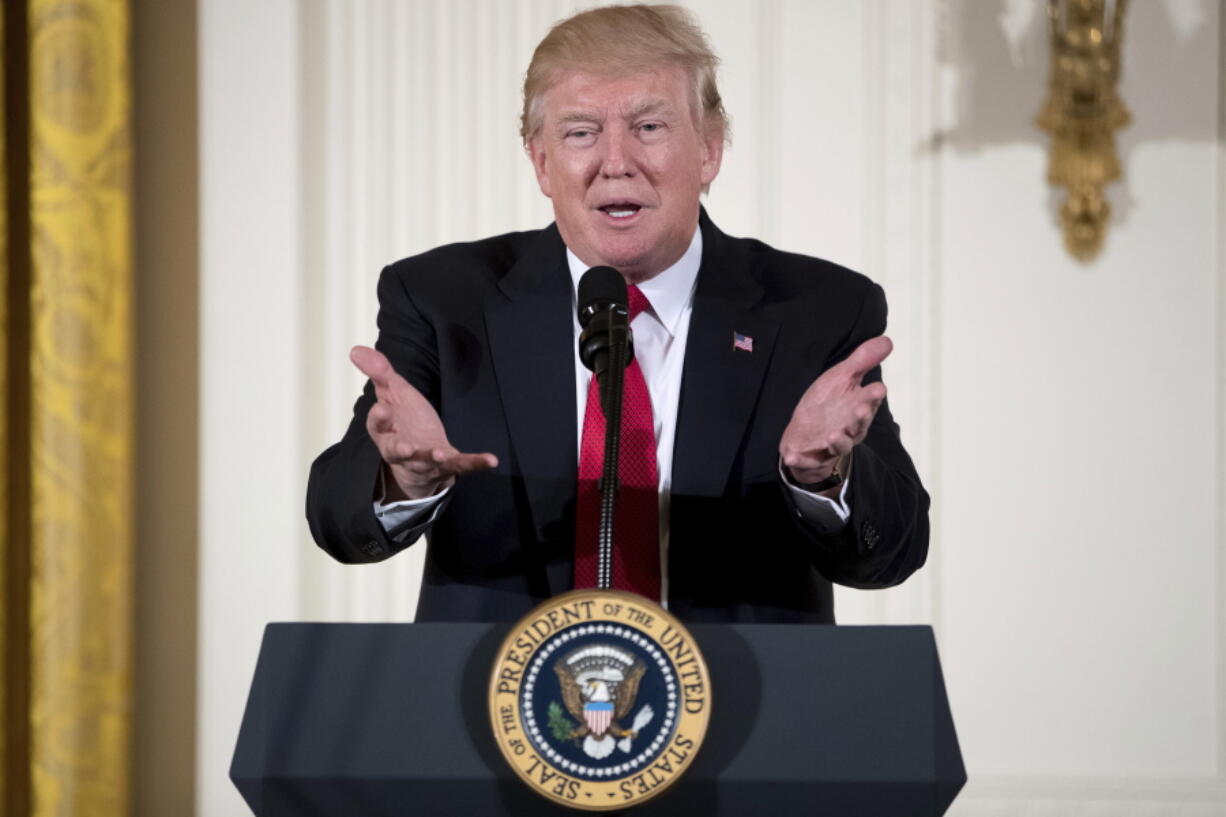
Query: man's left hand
{"points": [[834, 414]]}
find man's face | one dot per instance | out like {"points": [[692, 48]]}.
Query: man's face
{"points": [[624, 163]]}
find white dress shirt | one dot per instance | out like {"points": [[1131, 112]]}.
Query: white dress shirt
{"points": [[660, 336]]}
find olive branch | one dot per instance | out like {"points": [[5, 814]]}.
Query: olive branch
{"points": [[560, 725]]}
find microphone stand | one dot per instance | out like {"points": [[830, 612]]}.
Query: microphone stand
{"points": [[619, 342]]}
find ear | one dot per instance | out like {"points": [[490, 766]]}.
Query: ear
{"points": [[535, 148], [712, 155]]}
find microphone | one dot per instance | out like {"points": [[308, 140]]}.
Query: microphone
{"points": [[604, 316], [601, 289], [605, 348]]}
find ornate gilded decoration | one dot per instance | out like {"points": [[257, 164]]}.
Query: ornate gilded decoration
{"points": [[1082, 113], [80, 401]]}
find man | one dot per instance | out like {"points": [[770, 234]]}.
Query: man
{"points": [[772, 462]]}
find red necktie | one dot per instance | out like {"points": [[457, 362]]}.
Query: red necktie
{"points": [[636, 525]]}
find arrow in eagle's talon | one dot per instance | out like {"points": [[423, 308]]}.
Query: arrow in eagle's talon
{"points": [[640, 720]]}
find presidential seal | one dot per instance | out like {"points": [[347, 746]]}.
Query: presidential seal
{"points": [[599, 699]]}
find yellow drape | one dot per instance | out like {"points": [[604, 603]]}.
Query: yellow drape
{"points": [[77, 342]]}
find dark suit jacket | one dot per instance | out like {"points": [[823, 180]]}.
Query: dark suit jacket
{"points": [[484, 330]]}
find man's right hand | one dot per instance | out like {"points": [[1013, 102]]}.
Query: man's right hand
{"points": [[409, 434]]}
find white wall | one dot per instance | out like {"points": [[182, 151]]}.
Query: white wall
{"points": [[1067, 419], [251, 482]]}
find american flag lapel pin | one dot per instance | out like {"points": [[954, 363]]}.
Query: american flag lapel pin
{"points": [[742, 342]]}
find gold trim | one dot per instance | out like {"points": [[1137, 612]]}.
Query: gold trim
{"points": [[1082, 113]]}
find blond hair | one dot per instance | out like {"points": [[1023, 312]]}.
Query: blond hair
{"points": [[623, 40]]}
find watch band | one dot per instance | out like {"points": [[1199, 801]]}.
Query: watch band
{"points": [[832, 481], [836, 478]]}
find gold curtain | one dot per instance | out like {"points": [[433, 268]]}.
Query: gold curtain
{"points": [[66, 525]]}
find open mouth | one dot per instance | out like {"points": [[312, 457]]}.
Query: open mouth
{"points": [[620, 210]]}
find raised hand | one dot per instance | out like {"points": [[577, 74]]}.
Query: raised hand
{"points": [[834, 414], [409, 434]]}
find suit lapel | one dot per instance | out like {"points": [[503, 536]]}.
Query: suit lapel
{"points": [[531, 335], [531, 338], [720, 383]]}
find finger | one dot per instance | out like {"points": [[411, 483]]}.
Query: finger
{"points": [[858, 431], [874, 393], [451, 461], [839, 444], [869, 355], [379, 419], [373, 364], [860, 417], [404, 451]]}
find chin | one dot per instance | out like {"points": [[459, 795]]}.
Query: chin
{"points": [[624, 256]]}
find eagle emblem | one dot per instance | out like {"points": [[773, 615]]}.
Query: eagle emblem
{"points": [[599, 684]]}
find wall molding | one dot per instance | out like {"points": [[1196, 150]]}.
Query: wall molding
{"points": [[1220, 638]]}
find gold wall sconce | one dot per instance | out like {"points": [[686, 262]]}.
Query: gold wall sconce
{"points": [[1082, 113]]}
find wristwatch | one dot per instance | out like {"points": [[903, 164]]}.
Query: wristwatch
{"points": [[833, 481]]}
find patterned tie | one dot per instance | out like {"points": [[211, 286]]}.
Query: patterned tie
{"points": [[636, 525]]}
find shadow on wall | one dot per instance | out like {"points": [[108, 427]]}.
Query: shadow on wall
{"points": [[998, 55]]}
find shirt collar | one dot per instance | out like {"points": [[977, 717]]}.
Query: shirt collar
{"points": [[670, 292]]}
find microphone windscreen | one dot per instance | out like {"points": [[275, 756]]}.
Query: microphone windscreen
{"points": [[600, 286]]}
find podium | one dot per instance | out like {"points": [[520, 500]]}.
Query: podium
{"points": [[383, 720]]}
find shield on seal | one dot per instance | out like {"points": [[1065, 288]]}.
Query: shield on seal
{"points": [[598, 715]]}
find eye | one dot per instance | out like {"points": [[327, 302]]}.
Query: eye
{"points": [[581, 136], [650, 131]]}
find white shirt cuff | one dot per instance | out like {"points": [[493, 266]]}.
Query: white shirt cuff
{"points": [[401, 514], [826, 514]]}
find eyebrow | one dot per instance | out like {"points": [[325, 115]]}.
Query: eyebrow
{"points": [[577, 116], [647, 106]]}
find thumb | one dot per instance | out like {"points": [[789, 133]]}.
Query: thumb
{"points": [[869, 355], [373, 364]]}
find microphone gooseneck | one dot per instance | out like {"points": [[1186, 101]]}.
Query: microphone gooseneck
{"points": [[606, 347]]}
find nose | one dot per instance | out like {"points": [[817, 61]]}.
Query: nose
{"points": [[618, 157]]}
